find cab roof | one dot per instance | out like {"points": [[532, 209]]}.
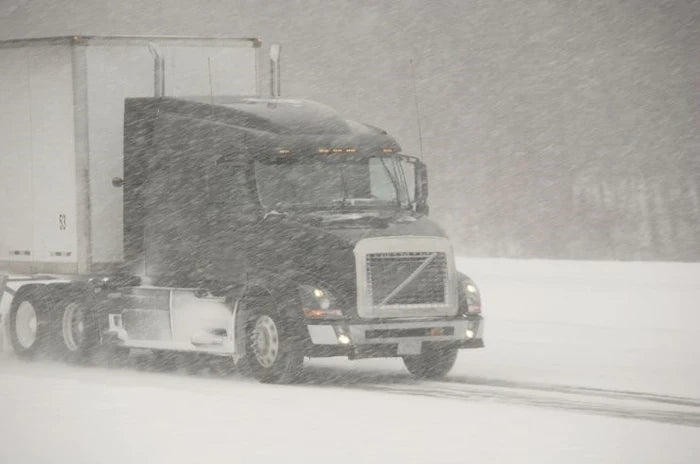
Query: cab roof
{"points": [[286, 120]]}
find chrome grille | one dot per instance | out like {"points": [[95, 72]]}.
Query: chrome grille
{"points": [[407, 278]]}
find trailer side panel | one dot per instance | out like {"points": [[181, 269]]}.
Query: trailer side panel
{"points": [[37, 195]]}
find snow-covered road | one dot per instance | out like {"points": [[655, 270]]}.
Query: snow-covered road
{"points": [[585, 362]]}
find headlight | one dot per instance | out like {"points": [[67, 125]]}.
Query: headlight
{"points": [[318, 303], [472, 296]]}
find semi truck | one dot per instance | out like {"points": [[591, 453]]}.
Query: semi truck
{"points": [[152, 198]]}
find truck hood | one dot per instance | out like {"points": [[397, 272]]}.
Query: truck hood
{"points": [[352, 227], [318, 249]]}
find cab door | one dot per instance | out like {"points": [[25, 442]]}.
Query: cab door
{"points": [[232, 212]]}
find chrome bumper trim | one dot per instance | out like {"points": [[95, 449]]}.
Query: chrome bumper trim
{"points": [[328, 334]]}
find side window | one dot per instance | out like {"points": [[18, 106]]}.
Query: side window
{"points": [[409, 172]]}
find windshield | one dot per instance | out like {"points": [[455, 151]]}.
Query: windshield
{"points": [[362, 182]]}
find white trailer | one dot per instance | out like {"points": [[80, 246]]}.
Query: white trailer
{"points": [[61, 146], [61, 133]]}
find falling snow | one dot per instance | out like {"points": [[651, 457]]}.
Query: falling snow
{"points": [[186, 221]]}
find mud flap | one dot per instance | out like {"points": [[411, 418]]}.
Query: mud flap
{"points": [[238, 320]]}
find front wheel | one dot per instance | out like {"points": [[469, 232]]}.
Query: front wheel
{"points": [[432, 363], [271, 356]]}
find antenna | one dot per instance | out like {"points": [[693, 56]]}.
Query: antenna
{"points": [[211, 91], [158, 70], [415, 102], [275, 82]]}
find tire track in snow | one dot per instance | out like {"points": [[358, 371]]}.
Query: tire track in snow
{"points": [[617, 394], [677, 417], [613, 403]]}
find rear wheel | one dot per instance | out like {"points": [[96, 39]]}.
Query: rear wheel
{"points": [[271, 355], [79, 331], [28, 323], [432, 363]]}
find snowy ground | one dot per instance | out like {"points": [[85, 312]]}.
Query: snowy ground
{"points": [[585, 362]]}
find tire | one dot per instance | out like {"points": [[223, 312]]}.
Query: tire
{"points": [[29, 325], [271, 355], [79, 334], [432, 363]]}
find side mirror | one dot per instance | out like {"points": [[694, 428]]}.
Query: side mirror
{"points": [[421, 188]]}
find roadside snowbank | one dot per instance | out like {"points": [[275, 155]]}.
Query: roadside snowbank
{"points": [[612, 325], [630, 326]]}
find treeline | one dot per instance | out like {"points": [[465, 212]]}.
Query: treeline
{"points": [[559, 207]]}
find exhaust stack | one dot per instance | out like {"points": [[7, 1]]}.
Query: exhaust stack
{"points": [[158, 70]]}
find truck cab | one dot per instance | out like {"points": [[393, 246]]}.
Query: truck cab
{"points": [[314, 227]]}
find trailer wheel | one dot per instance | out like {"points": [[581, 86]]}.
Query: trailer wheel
{"points": [[271, 356], [28, 323], [433, 363], [79, 331]]}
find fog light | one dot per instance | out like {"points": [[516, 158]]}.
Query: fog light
{"points": [[343, 339], [469, 333]]}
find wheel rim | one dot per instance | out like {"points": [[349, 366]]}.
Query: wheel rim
{"points": [[73, 326], [265, 341], [26, 324]]}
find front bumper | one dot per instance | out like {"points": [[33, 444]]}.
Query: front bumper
{"points": [[391, 338]]}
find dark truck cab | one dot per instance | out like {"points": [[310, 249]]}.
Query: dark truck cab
{"points": [[262, 231], [313, 227]]}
